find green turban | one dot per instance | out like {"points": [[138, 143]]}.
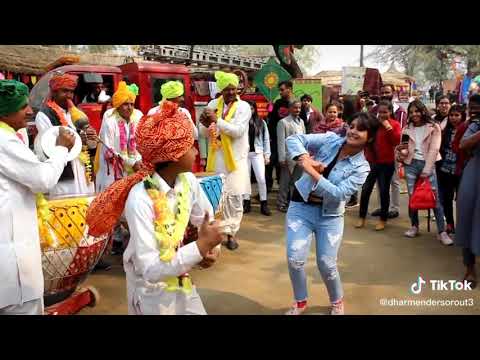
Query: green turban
{"points": [[171, 90], [13, 96], [133, 88], [224, 79]]}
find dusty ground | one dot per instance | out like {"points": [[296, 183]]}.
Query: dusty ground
{"points": [[373, 266]]}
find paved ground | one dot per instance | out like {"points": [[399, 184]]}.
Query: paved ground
{"points": [[373, 266]]}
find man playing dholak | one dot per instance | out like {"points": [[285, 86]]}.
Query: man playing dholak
{"points": [[225, 122], [58, 111], [159, 201], [173, 91], [118, 157], [21, 176]]}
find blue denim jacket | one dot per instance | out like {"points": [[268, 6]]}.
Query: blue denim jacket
{"points": [[345, 179]]}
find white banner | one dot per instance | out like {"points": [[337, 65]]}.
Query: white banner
{"points": [[352, 79]]}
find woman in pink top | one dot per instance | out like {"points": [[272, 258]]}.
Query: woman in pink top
{"points": [[419, 151]]}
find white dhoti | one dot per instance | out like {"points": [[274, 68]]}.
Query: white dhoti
{"points": [[33, 307], [237, 183], [152, 299]]}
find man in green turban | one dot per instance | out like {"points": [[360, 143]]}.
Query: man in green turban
{"points": [[225, 122], [22, 175], [13, 96], [173, 91]]}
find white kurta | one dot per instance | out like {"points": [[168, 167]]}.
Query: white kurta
{"points": [[185, 111], [21, 176], [145, 271], [110, 135], [78, 185], [24, 134], [236, 182]]}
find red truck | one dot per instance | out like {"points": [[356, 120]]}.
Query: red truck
{"points": [[148, 76]]}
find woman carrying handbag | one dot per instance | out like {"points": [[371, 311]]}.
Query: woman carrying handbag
{"points": [[419, 150]]}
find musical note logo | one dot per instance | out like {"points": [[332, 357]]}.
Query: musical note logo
{"points": [[416, 287]]}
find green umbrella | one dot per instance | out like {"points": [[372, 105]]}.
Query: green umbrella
{"points": [[268, 78]]}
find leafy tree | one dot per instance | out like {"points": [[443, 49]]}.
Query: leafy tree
{"points": [[431, 61]]}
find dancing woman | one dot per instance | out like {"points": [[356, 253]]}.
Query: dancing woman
{"points": [[335, 170]]}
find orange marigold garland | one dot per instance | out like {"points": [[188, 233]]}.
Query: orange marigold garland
{"points": [[84, 158]]}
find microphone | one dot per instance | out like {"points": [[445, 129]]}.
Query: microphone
{"points": [[81, 124]]}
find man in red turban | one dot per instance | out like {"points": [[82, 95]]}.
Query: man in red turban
{"points": [[57, 111], [158, 202], [65, 81]]}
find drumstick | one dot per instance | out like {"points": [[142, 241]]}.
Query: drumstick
{"points": [[101, 142]]}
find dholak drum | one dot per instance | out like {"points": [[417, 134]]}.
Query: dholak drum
{"points": [[68, 253], [212, 186]]}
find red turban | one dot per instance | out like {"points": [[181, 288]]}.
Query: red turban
{"points": [[164, 136], [65, 81]]}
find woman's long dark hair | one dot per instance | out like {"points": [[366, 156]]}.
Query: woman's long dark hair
{"points": [[459, 109], [255, 119], [447, 132], [349, 111], [367, 122], [389, 106], [426, 118]]}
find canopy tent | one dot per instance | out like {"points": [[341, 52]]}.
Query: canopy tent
{"points": [[330, 77], [397, 78], [34, 59]]}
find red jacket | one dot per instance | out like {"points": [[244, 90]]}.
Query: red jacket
{"points": [[385, 143], [462, 156]]}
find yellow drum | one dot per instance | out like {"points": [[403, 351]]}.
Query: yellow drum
{"points": [[68, 252]]}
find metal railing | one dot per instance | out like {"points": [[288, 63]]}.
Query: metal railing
{"points": [[200, 56]]}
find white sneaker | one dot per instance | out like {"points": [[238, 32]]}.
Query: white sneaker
{"points": [[337, 309], [411, 233], [445, 239], [294, 310]]}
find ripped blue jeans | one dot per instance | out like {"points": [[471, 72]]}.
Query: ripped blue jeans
{"points": [[303, 222]]}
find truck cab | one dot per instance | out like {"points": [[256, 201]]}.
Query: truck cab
{"points": [[150, 76]]}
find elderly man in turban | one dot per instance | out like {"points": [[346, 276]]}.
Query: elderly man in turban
{"points": [[159, 201], [57, 111], [173, 91], [225, 122], [22, 175], [118, 156]]}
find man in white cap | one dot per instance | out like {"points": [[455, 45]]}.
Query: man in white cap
{"points": [[225, 123]]}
